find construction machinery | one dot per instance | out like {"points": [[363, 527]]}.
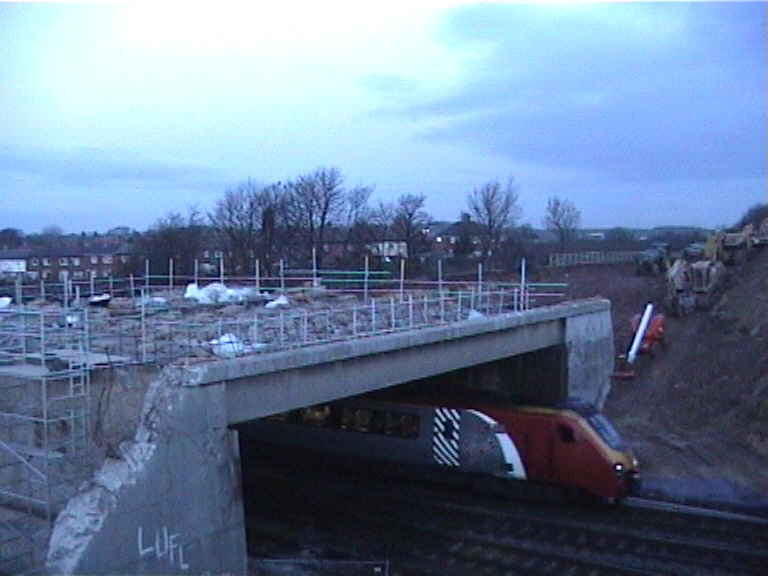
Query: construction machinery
{"points": [[693, 285], [730, 248], [707, 278], [760, 238], [680, 298], [653, 260]]}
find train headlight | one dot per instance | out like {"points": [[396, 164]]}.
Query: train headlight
{"points": [[618, 468]]}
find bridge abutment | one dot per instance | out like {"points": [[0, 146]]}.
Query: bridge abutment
{"points": [[590, 354], [172, 504]]}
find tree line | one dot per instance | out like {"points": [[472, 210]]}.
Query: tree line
{"points": [[290, 221], [295, 220]]}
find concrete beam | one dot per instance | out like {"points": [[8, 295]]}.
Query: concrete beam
{"points": [[261, 385]]}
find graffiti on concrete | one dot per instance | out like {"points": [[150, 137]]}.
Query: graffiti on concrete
{"points": [[165, 547]]}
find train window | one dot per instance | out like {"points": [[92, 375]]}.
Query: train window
{"points": [[347, 418], [362, 420], [606, 430], [316, 415], [401, 425], [567, 434], [378, 422]]}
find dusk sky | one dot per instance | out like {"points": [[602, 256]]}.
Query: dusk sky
{"points": [[641, 114]]}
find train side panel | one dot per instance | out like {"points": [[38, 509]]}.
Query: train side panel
{"points": [[371, 431], [447, 438], [484, 445]]}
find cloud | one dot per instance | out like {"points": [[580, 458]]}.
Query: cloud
{"points": [[636, 92], [99, 168], [390, 84]]}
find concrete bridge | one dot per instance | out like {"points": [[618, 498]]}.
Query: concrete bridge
{"points": [[173, 504]]}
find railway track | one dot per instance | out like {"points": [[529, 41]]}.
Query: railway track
{"points": [[439, 529]]}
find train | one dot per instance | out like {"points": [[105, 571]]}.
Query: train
{"points": [[567, 447]]}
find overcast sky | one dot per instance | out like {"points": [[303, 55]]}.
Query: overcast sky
{"points": [[640, 114]]}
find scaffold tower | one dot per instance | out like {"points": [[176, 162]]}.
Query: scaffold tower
{"points": [[44, 427]]}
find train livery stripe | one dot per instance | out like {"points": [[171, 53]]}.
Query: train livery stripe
{"points": [[511, 456], [445, 437], [509, 453]]}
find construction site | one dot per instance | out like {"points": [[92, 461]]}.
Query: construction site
{"points": [[694, 402], [74, 374]]}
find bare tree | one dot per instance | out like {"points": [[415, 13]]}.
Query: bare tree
{"points": [[272, 201], [11, 238], [50, 237], [382, 220], [563, 218], [237, 219], [357, 220], [247, 222], [496, 210], [410, 221], [172, 237], [315, 202], [53, 230]]}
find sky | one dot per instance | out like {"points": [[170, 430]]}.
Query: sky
{"points": [[641, 114]]}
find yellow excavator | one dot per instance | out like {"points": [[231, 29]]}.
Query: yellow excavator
{"points": [[760, 238], [731, 248], [693, 285], [707, 278]]}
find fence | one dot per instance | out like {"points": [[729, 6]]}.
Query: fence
{"points": [[578, 258], [152, 330], [155, 323], [71, 290]]}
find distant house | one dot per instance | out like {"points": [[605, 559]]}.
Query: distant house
{"points": [[13, 262], [75, 257], [448, 241], [61, 262]]}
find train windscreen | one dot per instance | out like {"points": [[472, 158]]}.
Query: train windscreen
{"points": [[606, 430]]}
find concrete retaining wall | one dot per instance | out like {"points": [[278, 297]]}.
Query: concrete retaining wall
{"points": [[172, 504]]}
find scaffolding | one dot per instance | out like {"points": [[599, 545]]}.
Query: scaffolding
{"points": [[44, 428]]}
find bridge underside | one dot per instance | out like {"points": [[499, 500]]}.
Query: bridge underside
{"points": [[392, 364], [539, 376]]}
